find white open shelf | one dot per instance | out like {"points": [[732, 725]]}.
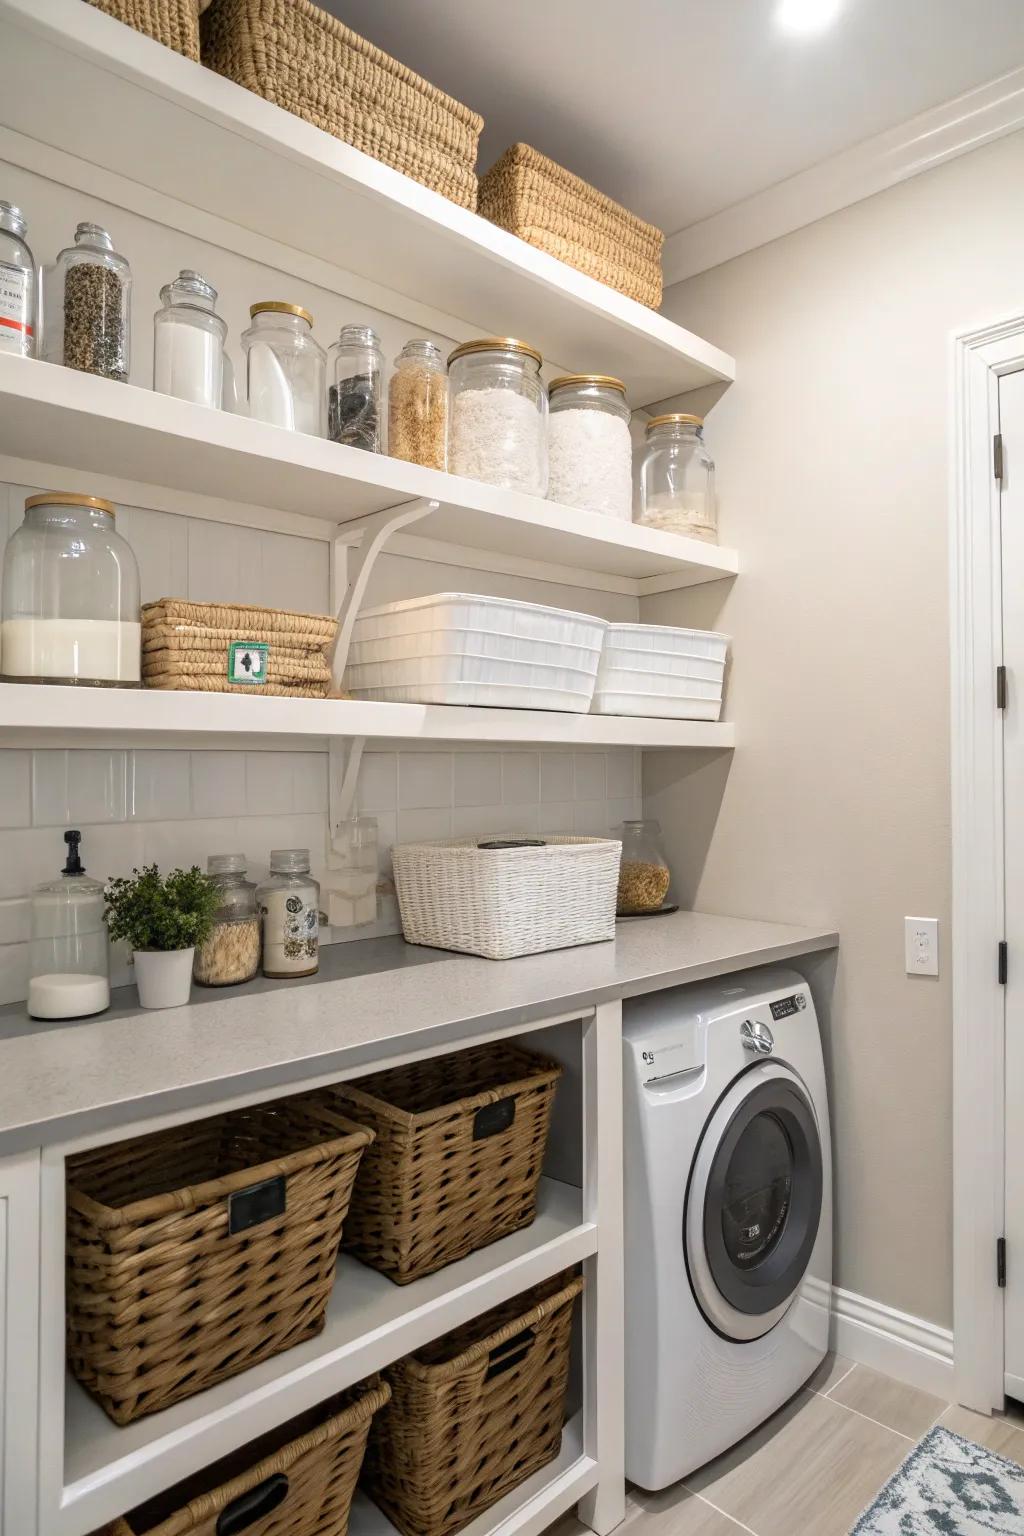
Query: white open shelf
{"points": [[77, 80], [55, 415], [370, 1323]]}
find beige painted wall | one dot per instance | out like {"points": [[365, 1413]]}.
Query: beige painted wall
{"points": [[832, 450]]}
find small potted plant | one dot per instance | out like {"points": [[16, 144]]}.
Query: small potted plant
{"points": [[163, 918]]}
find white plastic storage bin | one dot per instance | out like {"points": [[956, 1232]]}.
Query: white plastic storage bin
{"points": [[455, 648], [659, 671], [500, 902]]}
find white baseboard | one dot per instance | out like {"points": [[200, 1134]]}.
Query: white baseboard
{"points": [[907, 1348]]}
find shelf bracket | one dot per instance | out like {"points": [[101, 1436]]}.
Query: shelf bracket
{"points": [[376, 530]]}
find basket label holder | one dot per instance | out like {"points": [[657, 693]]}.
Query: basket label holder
{"points": [[492, 1119], [259, 1203]]}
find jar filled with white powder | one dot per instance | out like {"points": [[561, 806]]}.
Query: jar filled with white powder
{"points": [[498, 421], [285, 368], [590, 453], [188, 341]]}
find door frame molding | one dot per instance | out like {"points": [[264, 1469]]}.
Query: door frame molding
{"points": [[979, 358]]}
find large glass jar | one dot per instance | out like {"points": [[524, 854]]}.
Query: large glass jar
{"points": [[590, 452], [677, 478], [289, 903], [285, 368], [188, 341], [232, 952], [355, 404], [69, 968], [70, 608], [88, 306], [643, 873], [18, 285], [498, 425], [418, 406]]}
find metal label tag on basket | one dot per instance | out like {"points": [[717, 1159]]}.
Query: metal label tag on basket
{"points": [[257, 1204], [248, 663], [493, 1118]]}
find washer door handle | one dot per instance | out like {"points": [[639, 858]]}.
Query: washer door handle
{"points": [[757, 1037]]}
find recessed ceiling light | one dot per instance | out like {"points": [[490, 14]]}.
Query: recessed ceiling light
{"points": [[803, 16]]}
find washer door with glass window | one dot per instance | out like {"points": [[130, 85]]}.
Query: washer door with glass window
{"points": [[754, 1202]]}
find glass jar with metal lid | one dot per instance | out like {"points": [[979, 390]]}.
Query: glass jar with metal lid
{"points": [[677, 478], [18, 288], [285, 368], [289, 903], [355, 408], [231, 954], [188, 341], [590, 452], [70, 596], [88, 306], [498, 423]]}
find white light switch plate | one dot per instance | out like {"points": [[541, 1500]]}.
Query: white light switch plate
{"points": [[921, 939]]}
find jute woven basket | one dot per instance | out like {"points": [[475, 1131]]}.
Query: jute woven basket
{"points": [[301, 58], [297, 1481], [195, 1252], [474, 1414], [459, 1143], [188, 646], [173, 22], [547, 206]]}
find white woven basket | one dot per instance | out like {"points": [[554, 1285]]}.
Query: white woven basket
{"points": [[511, 901]]}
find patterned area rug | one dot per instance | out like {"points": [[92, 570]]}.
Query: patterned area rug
{"points": [[948, 1486]]}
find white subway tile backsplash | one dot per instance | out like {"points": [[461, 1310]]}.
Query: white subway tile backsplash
{"points": [[520, 778], [378, 782], [229, 564], [268, 784], [416, 826], [14, 971], [424, 779], [309, 782], [15, 920], [81, 786], [623, 778], [590, 818], [555, 818], [481, 820], [218, 783], [159, 786], [477, 778], [556, 776], [15, 788], [629, 808], [589, 777]]}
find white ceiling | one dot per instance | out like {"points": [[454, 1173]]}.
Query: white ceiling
{"points": [[680, 108]]}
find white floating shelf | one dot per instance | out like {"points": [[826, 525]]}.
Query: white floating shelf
{"points": [[370, 1322], [95, 426], [63, 716], [81, 82]]}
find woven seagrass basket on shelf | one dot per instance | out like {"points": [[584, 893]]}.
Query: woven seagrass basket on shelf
{"points": [[224, 648], [550, 208], [296, 1481], [473, 1414], [458, 1146], [172, 22], [196, 1252], [299, 57]]}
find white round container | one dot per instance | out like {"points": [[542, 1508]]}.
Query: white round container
{"points": [[590, 452]]}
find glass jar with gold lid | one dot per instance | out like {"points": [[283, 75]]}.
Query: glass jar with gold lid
{"points": [[70, 605], [677, 478], [498, 420], [590, 452], [285, 368]]}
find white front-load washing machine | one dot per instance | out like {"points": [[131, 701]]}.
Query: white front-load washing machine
{"points": [[728, 1214]]}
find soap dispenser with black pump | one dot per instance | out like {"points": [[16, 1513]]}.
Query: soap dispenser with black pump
{"points": [[69, 951]]}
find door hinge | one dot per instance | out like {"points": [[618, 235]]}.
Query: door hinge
{"points": [[1002, 963], [1000, 1261], [997, 456], [1000, 687]]}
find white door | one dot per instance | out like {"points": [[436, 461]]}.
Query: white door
{"points": [[1011, 425]]}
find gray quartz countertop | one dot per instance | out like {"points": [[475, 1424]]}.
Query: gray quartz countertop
{"points": [[371, 999]]}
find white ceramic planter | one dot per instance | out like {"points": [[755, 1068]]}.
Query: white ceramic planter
{"points": [[163, 977]]}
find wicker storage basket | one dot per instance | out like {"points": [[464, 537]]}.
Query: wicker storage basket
{"points": [[205, 646], [173, 22], [296, 55], [296, 1481], [502, 902], [459, 1143], [195, 1252], [474, 1414], [549, 207]]}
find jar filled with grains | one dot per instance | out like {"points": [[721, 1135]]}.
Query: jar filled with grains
{"points": [[88, 306], [590, 452], [418, 406], [498, 421], [677, 479], [644, 876], [232, 952], [355, 402]]}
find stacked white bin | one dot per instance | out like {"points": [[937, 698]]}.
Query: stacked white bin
{"points": [[660, 671]]}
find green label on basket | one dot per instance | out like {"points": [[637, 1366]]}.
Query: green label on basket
{"points": [[248, 662]]}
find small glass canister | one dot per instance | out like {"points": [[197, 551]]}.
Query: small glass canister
{"points": [[352, 895], [418, 406], [285, 368], [70, 596], [677, 479], [590, 452], [18, 285], [69, 953], [88, 306], [188, 341], [499, 407], [232, 952], [289, 903], [355, 406], [643, 873]]}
